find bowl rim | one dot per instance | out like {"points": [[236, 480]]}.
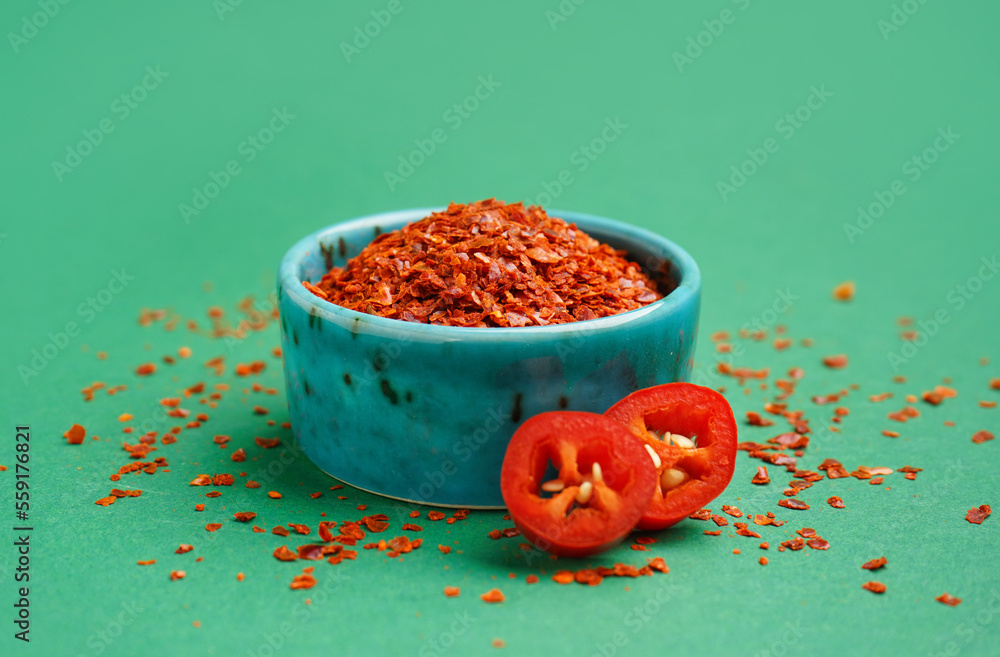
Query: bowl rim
{"points": [[291, 283]]}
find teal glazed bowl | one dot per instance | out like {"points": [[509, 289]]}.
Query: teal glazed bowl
{"points": [[423, 413]]}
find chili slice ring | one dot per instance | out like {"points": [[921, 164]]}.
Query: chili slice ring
{"points": [[604, 484], [690, 436]]}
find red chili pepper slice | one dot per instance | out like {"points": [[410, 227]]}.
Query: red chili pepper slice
{"points": [[604, 483], [688, 477]]}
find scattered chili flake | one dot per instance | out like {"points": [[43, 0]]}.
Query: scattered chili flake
{"points": [[222, 480], [489, 264], [877, 481], [199, 507], [835, 502], [452, 591], [717, 532], [244, 516], [762, 561], [720, 521], [793, 544], [977, 516], [981, 437], [798, 505], [531, 579], [638, 548], [874, 587], [252, 484], [303, 581], [212, 526], [445, 549], [844, 291], [176, 575], [702, 514], [988, 404], [835, 362], [266, 443], [948, 599], [145, 369], [284, 554], [564, 577], [213, 493], [75, 435], [240, 577], [148, 562], [274, 495], [106, 501], [239, 455], [875, 564], [417, 528], [732, 510], [492, 596], [755, 419], [818, 543], [201, 480], [761, 477]]}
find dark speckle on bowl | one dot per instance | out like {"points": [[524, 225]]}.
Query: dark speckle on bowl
{"points": [[409, 396], [515, 413], [295, 337], [347, 378], [341, 247], [327, 252], [563, 401], [378, 230], [305, 386], [389, 392]]}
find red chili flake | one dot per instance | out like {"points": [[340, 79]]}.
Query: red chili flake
{"points": [[284, 554], [880, 397], [106, 501], [489, 264], [732, 510], [445, 549], [145, 369], [564, 577], [780, 344], [300, 529], [311, 552], [201, 480], [588, 576], [844, 291], [977, 516], [835, 502], [818, 543], [822, 400], [239, 455], [755, 419], [280, 531], [75, 435], [798, 505], [874, 587], [221, 440], [222, 480], [761, 477], [790, 440], [416, 514], [212, 526], [303, 582], [176, 575], [267, 443], [638, 548], [982, 436], [764, 546], [253, 484], [658, 564], [720, 521], [375, 525], [148, 562], [745, 531], [274, 495], [794, 544], [199, 507], [510, 532], [531, 579], [875, 564], [244, 516], [213, 493], [702, 514], [351, 530], [948, 599], [835, 362], [988, 404], [452, 591], [495, 534], [645, 540], [717, 532]]}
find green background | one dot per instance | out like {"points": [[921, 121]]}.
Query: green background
{"points": [[782, 232]]}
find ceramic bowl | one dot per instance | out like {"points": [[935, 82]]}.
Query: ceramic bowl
{"points": [[423, 413]]}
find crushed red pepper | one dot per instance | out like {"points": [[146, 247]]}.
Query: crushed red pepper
{"points": [[874, 587], [977, 516], [488, 264], [948, 599]]}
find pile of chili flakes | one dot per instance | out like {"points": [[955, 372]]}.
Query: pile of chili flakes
{"points": [[489, 264]]}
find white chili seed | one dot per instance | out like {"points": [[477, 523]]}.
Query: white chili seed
{"points": [[672, 478], [586, 490], [653, 455], [681, 441], [553, 486], [598, 475]]}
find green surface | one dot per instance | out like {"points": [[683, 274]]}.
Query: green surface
{"points": [[553, 88]]}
